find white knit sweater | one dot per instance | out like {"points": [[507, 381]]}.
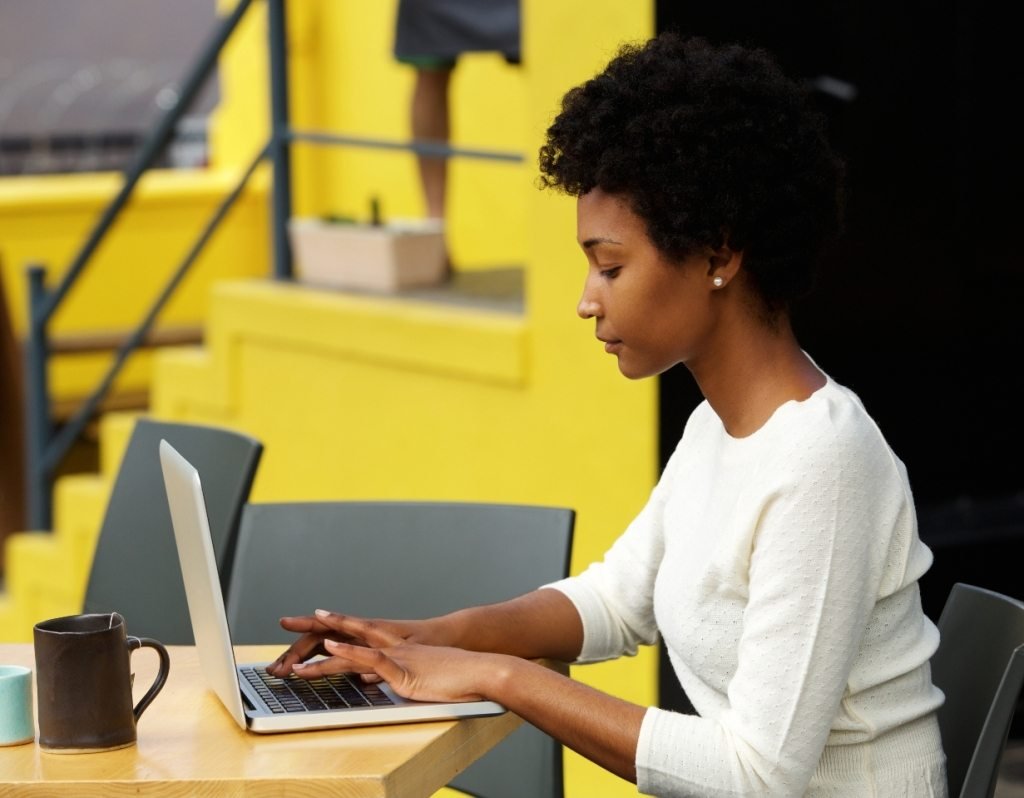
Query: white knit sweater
{"points": [[780, 571]]}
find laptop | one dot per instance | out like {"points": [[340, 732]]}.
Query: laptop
{"points": [[257, 701]]}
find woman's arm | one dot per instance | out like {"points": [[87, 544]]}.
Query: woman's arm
{"points": [[540, 624], [601, 727]]}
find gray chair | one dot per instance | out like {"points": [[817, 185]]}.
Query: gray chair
{"points": [[980, 667], [135, 569], [404, 560]]}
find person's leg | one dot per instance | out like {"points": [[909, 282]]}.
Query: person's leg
{"points": [[430, 123]]}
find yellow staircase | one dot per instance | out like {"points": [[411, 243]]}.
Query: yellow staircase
{"points": [[46, 572]]}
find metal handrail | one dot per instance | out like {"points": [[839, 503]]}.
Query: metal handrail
{"points": [[74, 427], [44, 449], [150, 150], [420, 147], [280, 151]]}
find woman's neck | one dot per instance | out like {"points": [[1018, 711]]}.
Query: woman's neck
{"points": [[755, 372]]}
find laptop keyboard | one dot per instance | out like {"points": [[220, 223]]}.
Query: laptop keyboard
{"points": [[293, 694]]}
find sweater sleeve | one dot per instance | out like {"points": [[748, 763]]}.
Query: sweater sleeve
{"points": [[815, 565], [615, 597]]}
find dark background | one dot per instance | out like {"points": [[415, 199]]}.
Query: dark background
{"points": [[918, 310]]}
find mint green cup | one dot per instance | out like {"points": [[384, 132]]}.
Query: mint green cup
{"points": [[16, 721]]}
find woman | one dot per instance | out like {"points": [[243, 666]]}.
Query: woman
{"points": [[777, 559]]}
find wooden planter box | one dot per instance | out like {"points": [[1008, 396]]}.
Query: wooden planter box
{"points": [[382, 258]]}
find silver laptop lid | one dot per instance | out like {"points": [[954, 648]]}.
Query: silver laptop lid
{"points": [[202, 582]]}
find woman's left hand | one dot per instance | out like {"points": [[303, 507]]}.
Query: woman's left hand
{"points": [[414, 671]]}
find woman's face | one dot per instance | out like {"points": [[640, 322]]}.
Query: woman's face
{"points": [[651, 313]]}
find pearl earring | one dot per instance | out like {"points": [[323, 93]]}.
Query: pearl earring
{"points": [[718, 281]]}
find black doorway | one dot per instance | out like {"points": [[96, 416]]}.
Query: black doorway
{"points": [[918, 310]]}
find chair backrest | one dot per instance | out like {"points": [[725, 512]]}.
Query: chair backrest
{"points": [[404, 560], [135, 568], [980, 667]]}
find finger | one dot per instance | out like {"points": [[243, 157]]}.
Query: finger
{"points": [[371, 632], [303, 623], [329, 666], [313, 629], [302, 649], [367, 660]]}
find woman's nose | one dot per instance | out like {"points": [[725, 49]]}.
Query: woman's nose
{"points": [[588, 307]]}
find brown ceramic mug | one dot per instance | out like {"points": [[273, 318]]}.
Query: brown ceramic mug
{"points": [[84, 682]]}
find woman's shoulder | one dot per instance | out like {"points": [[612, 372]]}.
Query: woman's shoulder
{"points": [[833, 411], [836, 409], [832, 423]]}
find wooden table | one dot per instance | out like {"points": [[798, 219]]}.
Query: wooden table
{"points": [[189, 745]]}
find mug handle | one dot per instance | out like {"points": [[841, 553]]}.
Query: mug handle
{"points": [[161, 677]]}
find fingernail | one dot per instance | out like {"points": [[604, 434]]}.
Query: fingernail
{"points": [[322, 613], [298, 666], [332, 643]]}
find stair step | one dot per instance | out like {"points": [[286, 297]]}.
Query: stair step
{"points": [[80, 501], [13, 626], [63, 410], [97, 341], [45, 580], [115, 432], [91, 341], [47, 572]]}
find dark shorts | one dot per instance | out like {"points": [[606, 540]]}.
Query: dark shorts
{"points": [[427, 62], [432, 34]]}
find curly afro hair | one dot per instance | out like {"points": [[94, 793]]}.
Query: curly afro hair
{"points": [[710, 145]]}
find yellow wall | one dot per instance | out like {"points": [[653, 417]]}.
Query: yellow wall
{"points": [[604, 454], [45, 220]]}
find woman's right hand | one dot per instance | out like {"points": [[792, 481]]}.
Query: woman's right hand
{"points": [[312, 633]]}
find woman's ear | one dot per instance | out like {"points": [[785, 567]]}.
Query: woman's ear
{"points": [[723, 265]]}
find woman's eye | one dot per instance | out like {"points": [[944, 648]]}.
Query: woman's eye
{"points": [[611, 273]]}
